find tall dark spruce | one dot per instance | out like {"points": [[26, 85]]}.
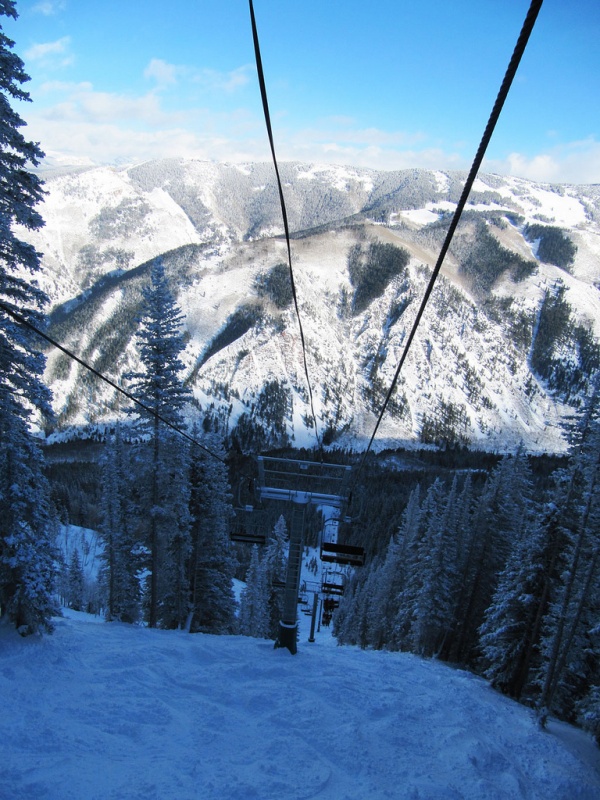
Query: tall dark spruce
{"points": [[570, 674], [27, 531], [163, 457], [211, 566], [121, 562]]}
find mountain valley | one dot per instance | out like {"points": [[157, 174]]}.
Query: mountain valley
{"points": [[503, 355]]}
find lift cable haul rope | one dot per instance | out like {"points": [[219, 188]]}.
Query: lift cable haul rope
{"points": [[485, 140], [26, 324], [265, 104]]}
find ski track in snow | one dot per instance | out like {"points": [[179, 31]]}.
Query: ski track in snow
{"points": [[114, 712]]}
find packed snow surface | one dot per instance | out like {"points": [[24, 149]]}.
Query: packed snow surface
{"points": [[114, 711]]}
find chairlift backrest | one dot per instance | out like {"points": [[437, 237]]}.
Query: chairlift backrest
{"points": [[247, 537], [334, 553]]}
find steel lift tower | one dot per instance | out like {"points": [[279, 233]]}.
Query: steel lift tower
{"points": [[301, 483]]}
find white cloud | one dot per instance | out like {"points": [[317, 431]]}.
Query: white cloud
{"points": [[165, 74], [112, 128], [227, 82], [370, 156], [345, 133], [343, 143], [50, 7], [81, 102], [76, 123], [162, 73], [51, 54], [575, 162], [76, 141], [108, 128], [65, 87]]}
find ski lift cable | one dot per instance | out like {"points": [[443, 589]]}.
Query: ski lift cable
{"points": [[265, 104], [25, 323], [520, 46]]}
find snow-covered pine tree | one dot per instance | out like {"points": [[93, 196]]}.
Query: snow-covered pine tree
{"points": [[275, 561], [173, 584], [588, 712], [76, 584], [502, 508], [412, 528], [365, 606], [384, 598], [433, 608], [211, 566], [162, 458], [27, 530], [461, 522], [569, 649], [510, 634], [343, 621], [254, 611], [392, 577], [121, 561], [352, 620]]}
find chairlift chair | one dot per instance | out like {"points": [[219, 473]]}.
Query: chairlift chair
{"points": [[333, 583], [243, 536], [242, 532], [344, 554]]}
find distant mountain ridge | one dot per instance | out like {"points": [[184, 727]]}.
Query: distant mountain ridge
{"points": [[505, 349]]}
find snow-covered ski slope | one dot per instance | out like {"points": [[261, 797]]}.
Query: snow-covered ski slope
{"points": [[99, 711]]}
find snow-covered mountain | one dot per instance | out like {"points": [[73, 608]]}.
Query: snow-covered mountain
{"points": [[503, 352]]}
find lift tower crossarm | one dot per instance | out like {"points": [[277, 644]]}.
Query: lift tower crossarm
{"points": [[316, 498]]}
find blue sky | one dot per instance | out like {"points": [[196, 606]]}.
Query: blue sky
{"points": [[388, 85]]}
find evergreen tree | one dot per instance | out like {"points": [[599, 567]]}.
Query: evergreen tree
{"points": [[174, 520], [120, 556], [349, 622], [458, 523], [162, 460], [76, 582], [412, 533], [432, 612], [355, 620], [393, 577], [503, 509], [27, 532], [570, 651], [254, 612], [275, 561], [364, 607], [510, 634], [211, 566], [589, 712], [371, 625]]}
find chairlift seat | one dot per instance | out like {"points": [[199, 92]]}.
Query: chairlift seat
{"points": [[248, 538], [332, 588], [334, 553]]}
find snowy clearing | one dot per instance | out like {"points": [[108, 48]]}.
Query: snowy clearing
{"points": [[113, 711]]}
